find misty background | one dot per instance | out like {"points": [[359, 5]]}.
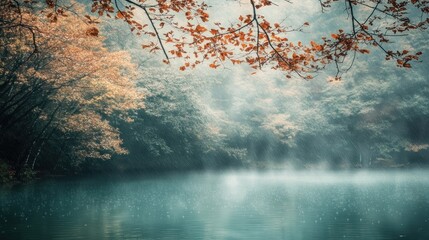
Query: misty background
{"points": [[376, 116]]}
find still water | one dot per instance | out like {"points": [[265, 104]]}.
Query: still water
{"points": [[226, 205]]}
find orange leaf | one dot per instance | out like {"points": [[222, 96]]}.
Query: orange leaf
{"points": [[200, 29], [316, 46], [213, 65], [92, 31], [146, 46]]}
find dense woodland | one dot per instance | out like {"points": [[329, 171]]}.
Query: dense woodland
{"points": [[78, 94]]}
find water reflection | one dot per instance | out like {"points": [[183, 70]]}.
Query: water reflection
{"points": [[234, 205]]}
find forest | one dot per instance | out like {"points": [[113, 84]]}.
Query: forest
{"points": [[116, 86]]}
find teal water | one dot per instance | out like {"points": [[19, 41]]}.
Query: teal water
{"points": [[225, 205]]}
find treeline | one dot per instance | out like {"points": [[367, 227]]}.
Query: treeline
{"points": [[375, 118], [208, 121]]}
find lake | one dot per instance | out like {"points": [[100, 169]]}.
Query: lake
{"points": [[221, 205]]}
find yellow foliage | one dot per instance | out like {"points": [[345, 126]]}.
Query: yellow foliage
{"points": [[86, 79]]}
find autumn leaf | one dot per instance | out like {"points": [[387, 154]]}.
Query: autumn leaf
{"points": [[213, 65], [92, 31], [146, 45], [364, 51], [335, 36], [316, 46], [188, 15], [119, 15], [200, 29]]}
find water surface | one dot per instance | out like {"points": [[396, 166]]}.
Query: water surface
{"points": [[226, 205]]}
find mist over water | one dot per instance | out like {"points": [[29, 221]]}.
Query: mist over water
{"points": [[222, 205]]}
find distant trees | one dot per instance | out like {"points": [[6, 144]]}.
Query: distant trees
{"points": [[58, 85], [176, 130], [377, 118], [372, 119]]}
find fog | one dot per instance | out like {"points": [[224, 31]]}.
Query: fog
{"points": [[233, 116]]}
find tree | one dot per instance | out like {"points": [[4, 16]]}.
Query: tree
{"points": [[60, 84], [183, 29], [177, 129]]}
